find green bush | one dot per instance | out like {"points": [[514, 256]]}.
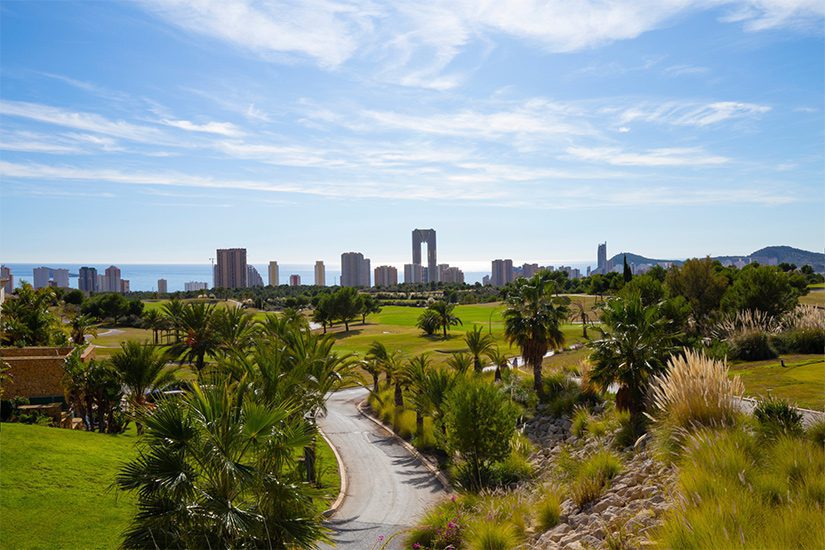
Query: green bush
{"points": [[548, 511], [489, 535], [579, 421], [753, 345], [593, 476], [777, 417], [800, 340], [630, 429], [441, 526]]}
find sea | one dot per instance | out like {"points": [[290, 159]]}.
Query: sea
{"points": [[144, 277]]}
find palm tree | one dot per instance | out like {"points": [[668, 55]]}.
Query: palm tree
{"points": [[532, 321], [498, 359], [154, 320], [428, 321], [174, 311], [446, 319], [460, 362], [217, 468], [394, 366], [235, 329], [635, 346], [81, 326], [414, 375], [580, 313], [435, 388], [196, 321], [378, 355], [142, 369], [479, 344]]}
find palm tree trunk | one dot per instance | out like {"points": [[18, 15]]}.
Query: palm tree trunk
{"points": [[375, 388], [399, 396], [419, 423], [498, 373], [537, 380]]}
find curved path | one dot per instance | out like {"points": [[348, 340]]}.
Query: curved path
{"points": [[388, 489]]}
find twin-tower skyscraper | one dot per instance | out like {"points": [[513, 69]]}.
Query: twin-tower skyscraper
{"points": [[415, 272]]}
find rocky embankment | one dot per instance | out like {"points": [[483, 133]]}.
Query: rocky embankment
{"points": [[628, 509]]}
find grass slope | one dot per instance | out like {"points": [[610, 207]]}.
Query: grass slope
{"points": [[800, 382], [54, 488]]}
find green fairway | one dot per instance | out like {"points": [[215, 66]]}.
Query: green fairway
{"points": [[802, 381], [395, 327], [54, 487], [816, 297]]}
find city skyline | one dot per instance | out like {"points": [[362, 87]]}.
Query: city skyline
{"points": [[528, 134]]}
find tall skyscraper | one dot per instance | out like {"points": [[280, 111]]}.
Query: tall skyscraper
{"points": [[320, 274], [355, 270], [195, 285], [601, 259], [386, 275], [528, 270], [413, 273], [41, 277], [502, 272], [294, 280], [163, 287], [87, 279], [124, 286], [253, 278], [425, 236], [230, 271], [111, 279], [7, 276], [274, 278]]}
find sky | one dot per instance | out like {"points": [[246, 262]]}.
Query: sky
{"points": [[157, 131]]}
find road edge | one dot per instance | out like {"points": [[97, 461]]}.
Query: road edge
{"points": [[342, 474], [445, 484]]}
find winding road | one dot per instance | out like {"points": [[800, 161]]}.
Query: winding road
{"points": [[388, 489]]}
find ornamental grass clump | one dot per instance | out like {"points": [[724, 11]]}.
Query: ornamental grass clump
{"points": [[593, 476], [548, 511], [777, 417], [695, 391]]}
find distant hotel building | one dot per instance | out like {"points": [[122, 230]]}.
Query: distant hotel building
{"points": [[195, 285], [355, 270], [294, 280], [413, 273], [46, 276], [231, 269], [87, 279], [427, 236], [274, 278], [386, 275], [163, 288], [528, 270], [111, 279], [320, 274], [451, 275], [124, 286], [502, 272], [253, 278], [8, 278]]}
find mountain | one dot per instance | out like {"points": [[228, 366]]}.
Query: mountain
{"points": [[768, 255]]}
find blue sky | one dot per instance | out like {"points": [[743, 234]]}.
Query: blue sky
{"points": [[158, 131]]}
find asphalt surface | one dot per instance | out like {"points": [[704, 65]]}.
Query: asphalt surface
{"points": [[388, 488]]}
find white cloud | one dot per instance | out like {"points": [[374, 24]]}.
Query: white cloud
{"points": [[682, 70], [671, 156], [88, 122], [221, 128], [692, 114]]}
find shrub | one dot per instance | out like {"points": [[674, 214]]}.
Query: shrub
{"points": [[630, 429], [776, 417], [816, 432], [800, 340], [579, 421], [513, 469], [488, 535], [695, 391], [593, 475], [441, 524], [754, 345], [548, 511]]}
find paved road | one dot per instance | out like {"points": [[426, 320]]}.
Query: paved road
{"points": [[388, 488]]}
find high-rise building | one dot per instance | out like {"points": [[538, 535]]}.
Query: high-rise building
{"points": [[413, 273], [60, 278], [111, 279], [195, 285], [601, 259], [274, 278], [124, 286], [528, 270], [41, 277], [355, 270], [425, 236], [386, 275], [320, 274], [253, 278], [101, 283], [452, 275], [485, 280], [8, 278], [230, 271], [87, 279], [502, 272], [294, 280], [163, 287]]}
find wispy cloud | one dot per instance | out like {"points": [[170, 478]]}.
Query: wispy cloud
{"points": [[692, 114], [221, 128], [673, 156]]}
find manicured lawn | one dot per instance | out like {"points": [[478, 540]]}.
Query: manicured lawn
{"points": [[54, 487], [395, 327], [816, 297], [802, 381], [109, 343]]}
